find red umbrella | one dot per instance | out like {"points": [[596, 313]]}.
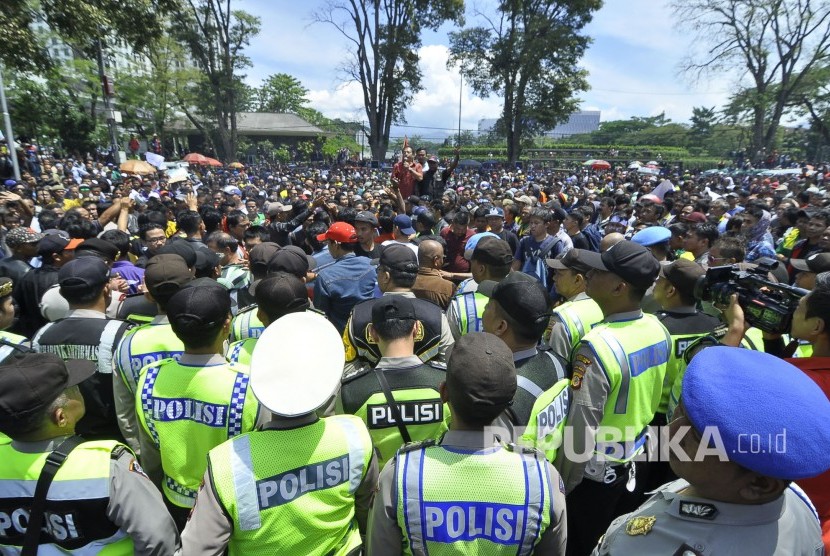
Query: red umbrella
{"points": [[600, 165], [212, 161], [195, 158]]}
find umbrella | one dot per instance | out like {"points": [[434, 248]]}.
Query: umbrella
{"points": [[652, 163], [469, 163], [137, 167], [236, 165], [212, 161], [597, 164], [635, 164], [195, 158]]}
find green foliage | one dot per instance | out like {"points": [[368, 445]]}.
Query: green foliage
{"points": [[385, 36], [529, 55], [78, 22], [281, 93]]}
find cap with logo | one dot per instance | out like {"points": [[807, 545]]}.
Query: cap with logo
{"points": [[817, 262], [632, 262], [496, 212], [367, 217], [286, 377], [521, 297], [56, 241], [340, 232]]}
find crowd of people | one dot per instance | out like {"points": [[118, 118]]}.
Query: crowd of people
{"points": [[270, 360]]}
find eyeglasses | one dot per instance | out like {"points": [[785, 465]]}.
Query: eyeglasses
{"points": [[156, 239]]}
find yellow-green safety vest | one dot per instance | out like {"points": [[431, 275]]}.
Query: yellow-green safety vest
{"points": [[545, 428], [187, 411], [75, 519], [489, 501], [298, 500], [578, 318], [469, 309]]}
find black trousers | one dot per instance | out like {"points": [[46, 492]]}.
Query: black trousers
{"points": [[592, 506]]}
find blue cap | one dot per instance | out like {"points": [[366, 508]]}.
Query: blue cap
{"points": [[473, 241], [495, 211], [418, 210], [771, 417], [652, 236], [404, 222], [10, 184]]}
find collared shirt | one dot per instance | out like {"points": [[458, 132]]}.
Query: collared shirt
{"points": [[341, 286], [386, 537], [672, 522], [431, 286]]}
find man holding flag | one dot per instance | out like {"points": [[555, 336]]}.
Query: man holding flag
{"points": [[407, 172]]}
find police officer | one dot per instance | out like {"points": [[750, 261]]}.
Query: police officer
{"points": [[100, 501], [399, 401], [316, 474], [246, 324], [151, 342], [737, 449], [10, 344], [618, 372], [463, 490], [397, 270], [189, 406], [490, 259], [276, 296], [518, 312], [87, 333], [579, 313]]}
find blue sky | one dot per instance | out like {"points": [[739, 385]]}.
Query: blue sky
{"points": [[633, 65]]}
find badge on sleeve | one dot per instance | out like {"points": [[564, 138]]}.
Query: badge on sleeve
{"points": [[136, 468], [640, 525], [698, 510]]}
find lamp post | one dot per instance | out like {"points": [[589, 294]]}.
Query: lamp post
{"points": [[8, 128]]}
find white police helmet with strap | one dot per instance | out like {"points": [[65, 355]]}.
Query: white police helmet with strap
{"points": [[288, 378]]}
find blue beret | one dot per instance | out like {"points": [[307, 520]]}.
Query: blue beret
{"points": [[473, 241], [771, 417], [652, 236]]}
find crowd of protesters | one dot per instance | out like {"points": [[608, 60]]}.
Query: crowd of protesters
{"points": [[495, 251]]}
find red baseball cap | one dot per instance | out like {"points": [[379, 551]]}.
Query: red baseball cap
{"points": [[695, 217], [341, 232]]}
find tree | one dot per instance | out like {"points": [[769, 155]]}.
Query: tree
{"points": [[777, 43], [812, 100], [528, 53], [385, 36], [80, 23], [281, 93], [216, 37], [703, 120]]}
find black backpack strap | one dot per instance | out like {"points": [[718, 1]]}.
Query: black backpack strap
{"points": [[393, 405], [53, 462]]}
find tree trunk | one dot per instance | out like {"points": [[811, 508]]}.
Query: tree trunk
{"points": [[758, 129]]}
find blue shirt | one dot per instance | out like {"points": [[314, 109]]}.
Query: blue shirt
{"points": [[342, 285]]}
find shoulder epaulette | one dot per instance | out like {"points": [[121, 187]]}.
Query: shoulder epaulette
{"points": [[250, 307], [440, 365], [355, 374], [521, 449], [412, 446]]}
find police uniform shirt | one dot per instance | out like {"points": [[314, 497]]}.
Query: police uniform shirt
{"points": [[385, 536], [135, 504], [209, 528], [357, 360], [673, 523], [591, 389]]}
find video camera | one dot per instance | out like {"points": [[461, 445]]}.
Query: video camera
{"points": [[767, 305]]}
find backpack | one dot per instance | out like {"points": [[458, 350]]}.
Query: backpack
{"points": [[534, 262], [591, 233]]}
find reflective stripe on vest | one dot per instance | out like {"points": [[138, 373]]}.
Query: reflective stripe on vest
{"points": [[625, 370], [425, 521], [106, 346], [529, 386]]}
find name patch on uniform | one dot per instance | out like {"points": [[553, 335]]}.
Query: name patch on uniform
{"points": [[138, 363], [421, 412], [698, 510], [681, 344], [287, 487], [465, 521], [552, 416], [186, 409], [642, 360], [59, 526]]}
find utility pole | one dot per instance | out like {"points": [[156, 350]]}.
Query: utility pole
{"points": [[108, 91], [362, 138], [8, 129]]}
